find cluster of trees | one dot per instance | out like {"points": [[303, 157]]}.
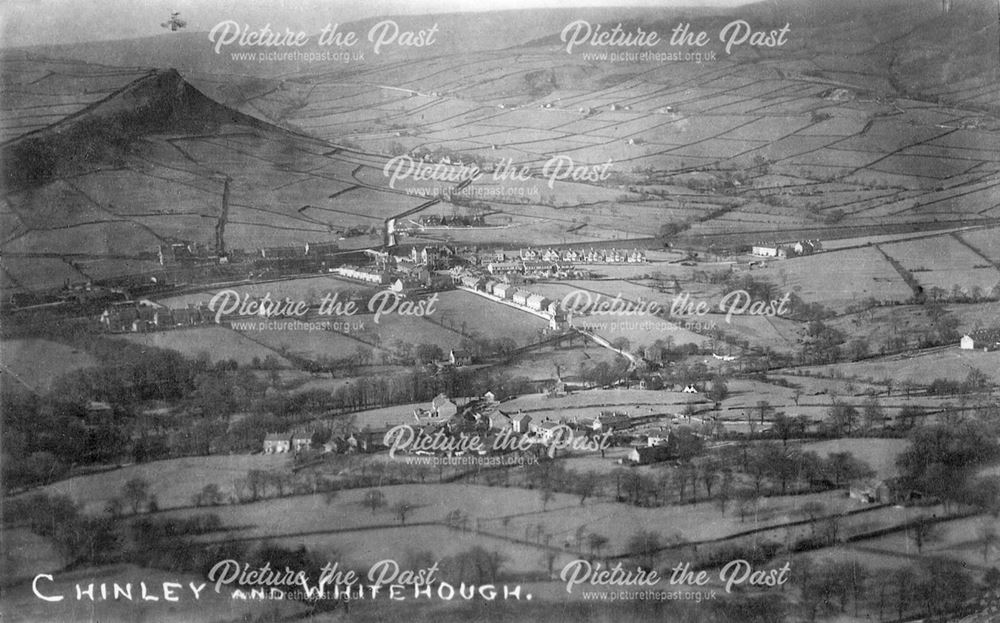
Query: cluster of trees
{"points": [[943, 461], [605, 373], [936, 587], [958, 294], [821, 343], [134, 496], [77, 537], [976, 381], [740, 474], [44, 437], [129, 373]]}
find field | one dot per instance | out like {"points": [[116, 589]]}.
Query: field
{"points": [[945, 262], [173, 481], [946, 363], [880, 454], [404, 543], [471, 313], [332, 528], [986, 241], [694, 522], [594, 399], [308, 289], [979, 316], [36, 363], [218, 342], [777, 333], [959, 540], [25, 554], [312, 345], [860, 274], [542, 364]]}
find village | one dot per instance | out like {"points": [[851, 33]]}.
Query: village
{"points": [[645, 437]]}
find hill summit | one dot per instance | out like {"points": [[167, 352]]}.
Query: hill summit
{"points": [[161, 102]]}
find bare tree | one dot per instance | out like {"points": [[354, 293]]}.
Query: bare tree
{"points": [[402, 509], [596, 542], [586, 485], [923, 531], [709, 473], [374, 499], [812, 511], [550, 561], [546, 496], [987, 537], [135, 492]]}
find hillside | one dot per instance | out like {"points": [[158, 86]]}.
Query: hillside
{"points": [[104, 133], [838, 134]]}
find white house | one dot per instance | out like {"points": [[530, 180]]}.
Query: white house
{"points": [[981, 339], [546, 430], [443, 407], [277, 443], [301, 441], [612, 420], [658, 437]]}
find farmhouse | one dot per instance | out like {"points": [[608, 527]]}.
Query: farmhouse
{"points": [[301, 441], [612, 420], [277, 443], [658, 437], [770, 250], [368, 440], [870, 492], [163, 317], [648, 455], [180, 253], [787, 249], [985, 339], [443, 407], [557, 389], [520, 423], [546, 430], [459, 358]]}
